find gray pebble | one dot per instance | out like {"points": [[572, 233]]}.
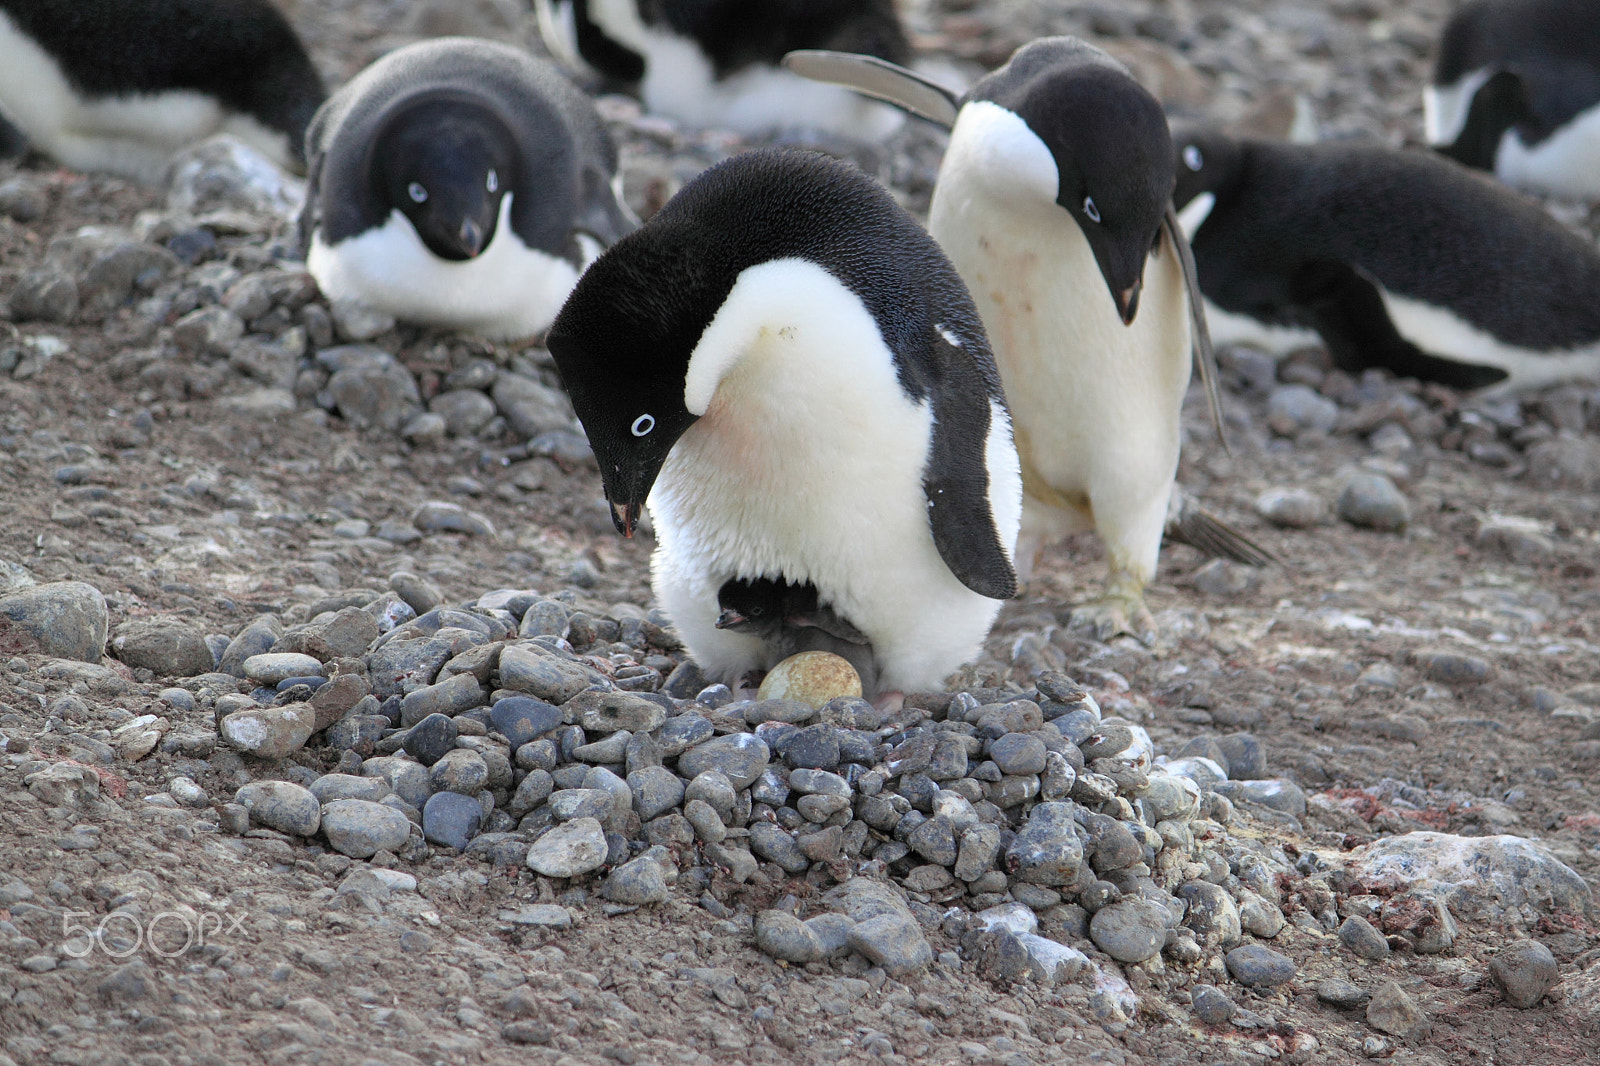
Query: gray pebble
{"points": [[714, 788], [1110, 738], [465, 411], [431, 739], [740, 756], [1357, 934], [279, 805], [272, 667], [1047, 851], [1450, 667], [361, 829], [814, 747], [167, 647], [1130, 931], [980, 846], [420, 594], [448, 697], [568, 804], [1345, 995], [774, 844], [64, 619], [460, 770], [441, 516], [708, 825], [1019, 753], [451, 820], [1211, 1005], [1259, 967], [411, 781], [1212, 914], [783, 936], [521, 719], [570, 849], [893, 941], [535, 788], [1524, 971], [1243, 756], [1372, 501], [683, 732], [186, 792], [613, 749], [269, 732], [1292, 508], [375, 394], [330, 787], [635, 883], [1296, 409], [656, 790], [934, 840], [1391, 1010], [608, 712], [542, 676]]}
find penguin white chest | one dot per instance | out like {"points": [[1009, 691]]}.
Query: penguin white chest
{"points": [[507, 292], [807, 463], [1095, 402], [1566, 163]]}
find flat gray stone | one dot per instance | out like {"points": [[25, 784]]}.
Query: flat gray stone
{"points": [[281, 805], [269, 732], [894, 942], [1259, 967], [783, 936], [569, 850], [740, 756], [362, 828]]}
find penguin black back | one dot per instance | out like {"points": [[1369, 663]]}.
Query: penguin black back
{"points": [[735, 34], [1307, 235], [1541, 62], [242, 52]]}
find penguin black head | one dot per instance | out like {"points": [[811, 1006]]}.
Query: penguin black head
{"points": [[622, 344], [1110, 145], [748, 606], [1208, 161], [445, 163]]}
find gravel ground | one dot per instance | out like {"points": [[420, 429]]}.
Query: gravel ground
{"points": [[335, 724]]}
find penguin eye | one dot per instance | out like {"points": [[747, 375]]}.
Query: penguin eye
{"points": [[493, 182], [1192, 157], [643, 425], [1090, 209], [417, 193]]}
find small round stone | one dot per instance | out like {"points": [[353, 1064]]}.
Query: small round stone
{"points": [[431, 739], [1211, 1005], [272, 667], [1357, 934], [783, 936], [281, 805], [361, 829], [1372, 501], [635, 883], [451, 820], [812, 677], [1258, 967], [1018, 753], [460, 770], [1292, 508], [1393, 1011], [1524, 971], [570, 849], [1130, 931], [523, 719]]}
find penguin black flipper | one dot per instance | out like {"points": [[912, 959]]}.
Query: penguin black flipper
{"points": [[1200, 335], [600, 212], [879, 79], [956, 479], [1347, 309]]}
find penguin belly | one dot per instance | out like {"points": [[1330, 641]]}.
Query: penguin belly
{"points": [[507, 292], [1439, 331], [1095, 403], [1565, 164], [133, 135], [807, 465]]}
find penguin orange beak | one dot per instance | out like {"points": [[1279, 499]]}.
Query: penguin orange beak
{"points": [[1128, 302], [625, 516]]}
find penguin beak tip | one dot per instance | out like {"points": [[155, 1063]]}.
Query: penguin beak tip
{"points": [[1128, 304], [625, 517]]}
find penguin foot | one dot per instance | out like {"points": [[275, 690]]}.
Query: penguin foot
{"points": [[1111, 614], [890, 702]]}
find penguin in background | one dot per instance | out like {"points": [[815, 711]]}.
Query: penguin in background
{"points": [[1516, 91], [1054, 204], [462, 183], [120, 85], [785, 367], [1395, 259], [717, 63]]}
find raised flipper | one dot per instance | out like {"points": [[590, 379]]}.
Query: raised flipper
{"points": [[1200, 334], [1189, 523], [879, 79]]}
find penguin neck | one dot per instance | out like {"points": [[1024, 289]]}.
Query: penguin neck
{"points": [[1499, 107]]}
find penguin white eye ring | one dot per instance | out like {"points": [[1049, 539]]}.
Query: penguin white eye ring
{"points": [[1192, 157], [1090, 209], [643, 425], [417, 193], [492, 183]]}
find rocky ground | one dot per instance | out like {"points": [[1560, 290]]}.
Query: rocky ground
{"points": [[336, 725]]}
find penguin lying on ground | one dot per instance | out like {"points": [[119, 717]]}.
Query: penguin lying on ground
{"points": [[792, 373], [716, 62], [1054, 203], [460, 183], [119, 85], [790, 619], [1397, 259], [1516, 90]]}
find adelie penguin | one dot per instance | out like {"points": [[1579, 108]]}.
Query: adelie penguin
{"points": [[790, 619], [788, 370], [461, 183], [716, 63], [1396, 259], [119, 85], [1054, 203], [1516, 91]]}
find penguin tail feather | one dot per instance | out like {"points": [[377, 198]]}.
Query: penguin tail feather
{"points": [[1200, 529]]}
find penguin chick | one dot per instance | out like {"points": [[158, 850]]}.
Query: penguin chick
{"points": [[460, 183], [120, 85], [715, 63], [788, 619], [1054, 203], [1402, 260], [1516, 91], [784, 365]]}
